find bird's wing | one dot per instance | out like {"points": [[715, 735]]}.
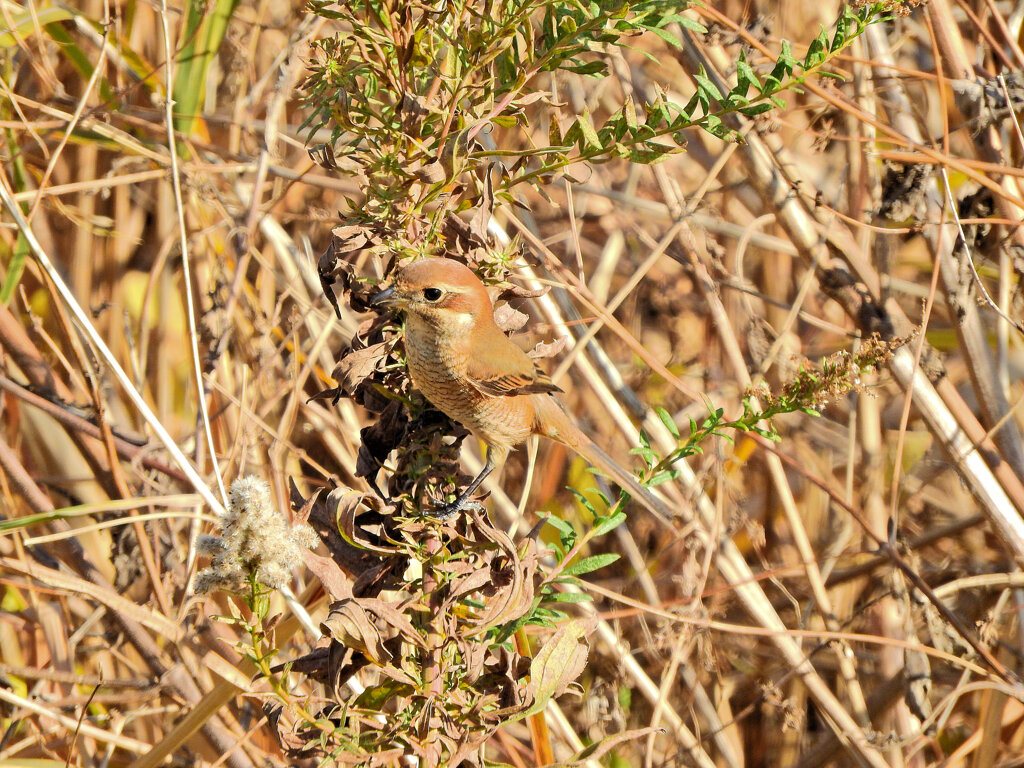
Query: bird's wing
{"points": [[514, 384], [498, 368]]}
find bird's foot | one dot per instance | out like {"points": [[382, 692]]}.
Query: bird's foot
{"points": [[448, 511]]}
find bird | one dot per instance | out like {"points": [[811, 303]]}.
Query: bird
{"points": [[466, 367]]}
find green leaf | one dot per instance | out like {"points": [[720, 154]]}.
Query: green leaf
{"points": [[589, 68], [505, 121], [745, 75], [706, 86], [376, 697], [692, 24], [663, 477], [589, 564], [570, 597], [204, 31], [816, 51], [645, 441], [784, 64], [668, 37], [586, 125], [608, 524], [667, 420], [18, 26], [566, 533], [584, 501]]}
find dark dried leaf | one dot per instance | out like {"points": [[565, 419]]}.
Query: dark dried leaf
{"points": [[394, 621], [326, 268], [320, 516], [323, 155], [502, 580], [337, 264], [301, 515], [349, 238], [513, 291], [337, 583], [350, 507], [351, 626], [380, 438], [356, 365], [294, 744]]}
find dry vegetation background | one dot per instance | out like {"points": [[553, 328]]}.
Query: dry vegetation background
{"points": [[721, 265]]}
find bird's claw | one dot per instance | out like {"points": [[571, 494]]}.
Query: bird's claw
{"points": [[445, 512]]}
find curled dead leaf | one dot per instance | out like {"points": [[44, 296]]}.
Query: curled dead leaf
{"points": [[430, 173], [319, 514], [501, 579], [349, 625], [508, 318], [380, 438], [357, 365], [547, 349], [512, 291]]}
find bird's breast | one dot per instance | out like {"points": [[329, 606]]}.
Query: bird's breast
{"points": [[439, 371]]}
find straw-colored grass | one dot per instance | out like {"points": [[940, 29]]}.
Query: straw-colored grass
{"points": [[848, 595]]}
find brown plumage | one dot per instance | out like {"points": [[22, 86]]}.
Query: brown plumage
{"points": [[468, 368]]}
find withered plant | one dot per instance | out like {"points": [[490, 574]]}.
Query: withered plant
{"points": [[418, 101], [770, 251]]}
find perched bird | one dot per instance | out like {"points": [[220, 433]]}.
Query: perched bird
{"points": [[468, 368]]}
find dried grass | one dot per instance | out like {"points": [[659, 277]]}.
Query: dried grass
{"points": [[722, 266]]}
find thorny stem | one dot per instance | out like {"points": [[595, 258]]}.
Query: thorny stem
{"points": [[433, 682]]}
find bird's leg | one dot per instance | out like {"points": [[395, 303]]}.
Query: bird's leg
{"points": [[448, 511]]}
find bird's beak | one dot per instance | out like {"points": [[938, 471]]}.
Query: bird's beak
{"points": [[387, 298]]}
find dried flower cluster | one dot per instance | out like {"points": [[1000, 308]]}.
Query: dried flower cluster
{"points": [[899, 7], [255, 542], [838, 375]]}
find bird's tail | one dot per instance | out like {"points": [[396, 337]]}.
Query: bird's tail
{"points": [[552, 421]]}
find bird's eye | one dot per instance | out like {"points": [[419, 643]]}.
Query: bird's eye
{"points": [[432, 294]]}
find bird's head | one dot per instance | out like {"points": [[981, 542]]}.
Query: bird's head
{"points": [[438, 291]]}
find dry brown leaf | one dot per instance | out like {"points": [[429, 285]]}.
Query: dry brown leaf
{"points": [[547, 349], [350, 625], [335, 580], [509, 319], [359, 364]]}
